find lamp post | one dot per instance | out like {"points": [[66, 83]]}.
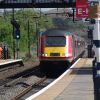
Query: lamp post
{"points": [[28, 27], [13, 34], [36, 24]]}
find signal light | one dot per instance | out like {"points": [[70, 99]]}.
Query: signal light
{"points": [[17, 34], [17, 29]]}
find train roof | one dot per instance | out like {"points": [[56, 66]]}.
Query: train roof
{"points": [[56, 32]]}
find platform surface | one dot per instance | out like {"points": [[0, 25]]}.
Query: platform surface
{"points": [[81, 87], [8, 61]]}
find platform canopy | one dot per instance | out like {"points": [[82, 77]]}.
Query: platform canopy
{"points": [[37, 3]]}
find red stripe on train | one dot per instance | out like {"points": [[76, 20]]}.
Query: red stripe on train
{"points": [[42, 44], [70, 50]]}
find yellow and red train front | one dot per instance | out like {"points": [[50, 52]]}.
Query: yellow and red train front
{"points": [[55, 48]]}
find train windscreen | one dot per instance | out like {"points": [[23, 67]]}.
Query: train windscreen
{"points": [[55, 41]]}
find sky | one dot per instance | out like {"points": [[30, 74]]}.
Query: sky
{"points": [[42, 9], [47, 9]]}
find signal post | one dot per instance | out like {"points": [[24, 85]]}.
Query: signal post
{"points": [[94, 12]]}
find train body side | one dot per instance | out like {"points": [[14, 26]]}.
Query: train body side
{"points": [[59, 47]]}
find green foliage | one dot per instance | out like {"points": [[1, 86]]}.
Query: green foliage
{"points": [[23, 16]]}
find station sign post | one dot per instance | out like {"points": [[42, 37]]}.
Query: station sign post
{"points": [[82, 8], [94, 12]]}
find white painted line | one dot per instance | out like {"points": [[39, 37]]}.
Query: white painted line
{"points": [[53, 83], [12, 61]]}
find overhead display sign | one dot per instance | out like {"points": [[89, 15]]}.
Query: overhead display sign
{"points": [[82, 8]]}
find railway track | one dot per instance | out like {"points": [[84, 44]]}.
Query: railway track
{"points": [[4, 69], [44, 83], [21, 79], [29, 88], [62, 83], [13, 72], [20, 86], [13, 79], [32, 89], [17, 85]]}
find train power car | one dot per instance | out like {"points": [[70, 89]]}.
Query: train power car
{"points": [[59, 46]]}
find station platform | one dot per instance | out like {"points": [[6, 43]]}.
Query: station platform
{"points": [[10, 61], [81, 86], [75, 84]]}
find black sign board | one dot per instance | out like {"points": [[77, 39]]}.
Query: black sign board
{"points": [[36, 3]]}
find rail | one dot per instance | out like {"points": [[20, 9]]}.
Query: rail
{"points": [[29, 88]]}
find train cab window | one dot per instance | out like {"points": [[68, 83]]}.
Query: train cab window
{"points": [[55, 41]]}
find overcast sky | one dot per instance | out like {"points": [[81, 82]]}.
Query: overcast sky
{"points": [[42, 9], [46, 9]]}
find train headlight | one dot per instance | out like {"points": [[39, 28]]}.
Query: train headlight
{"points": [[64, 54], [45, 54]]}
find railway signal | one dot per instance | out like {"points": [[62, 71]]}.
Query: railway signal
{"points": [[17, 29], [15, 24], [17, 34]]}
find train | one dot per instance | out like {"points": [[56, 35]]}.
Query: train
{"points": [[59, 46]]}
